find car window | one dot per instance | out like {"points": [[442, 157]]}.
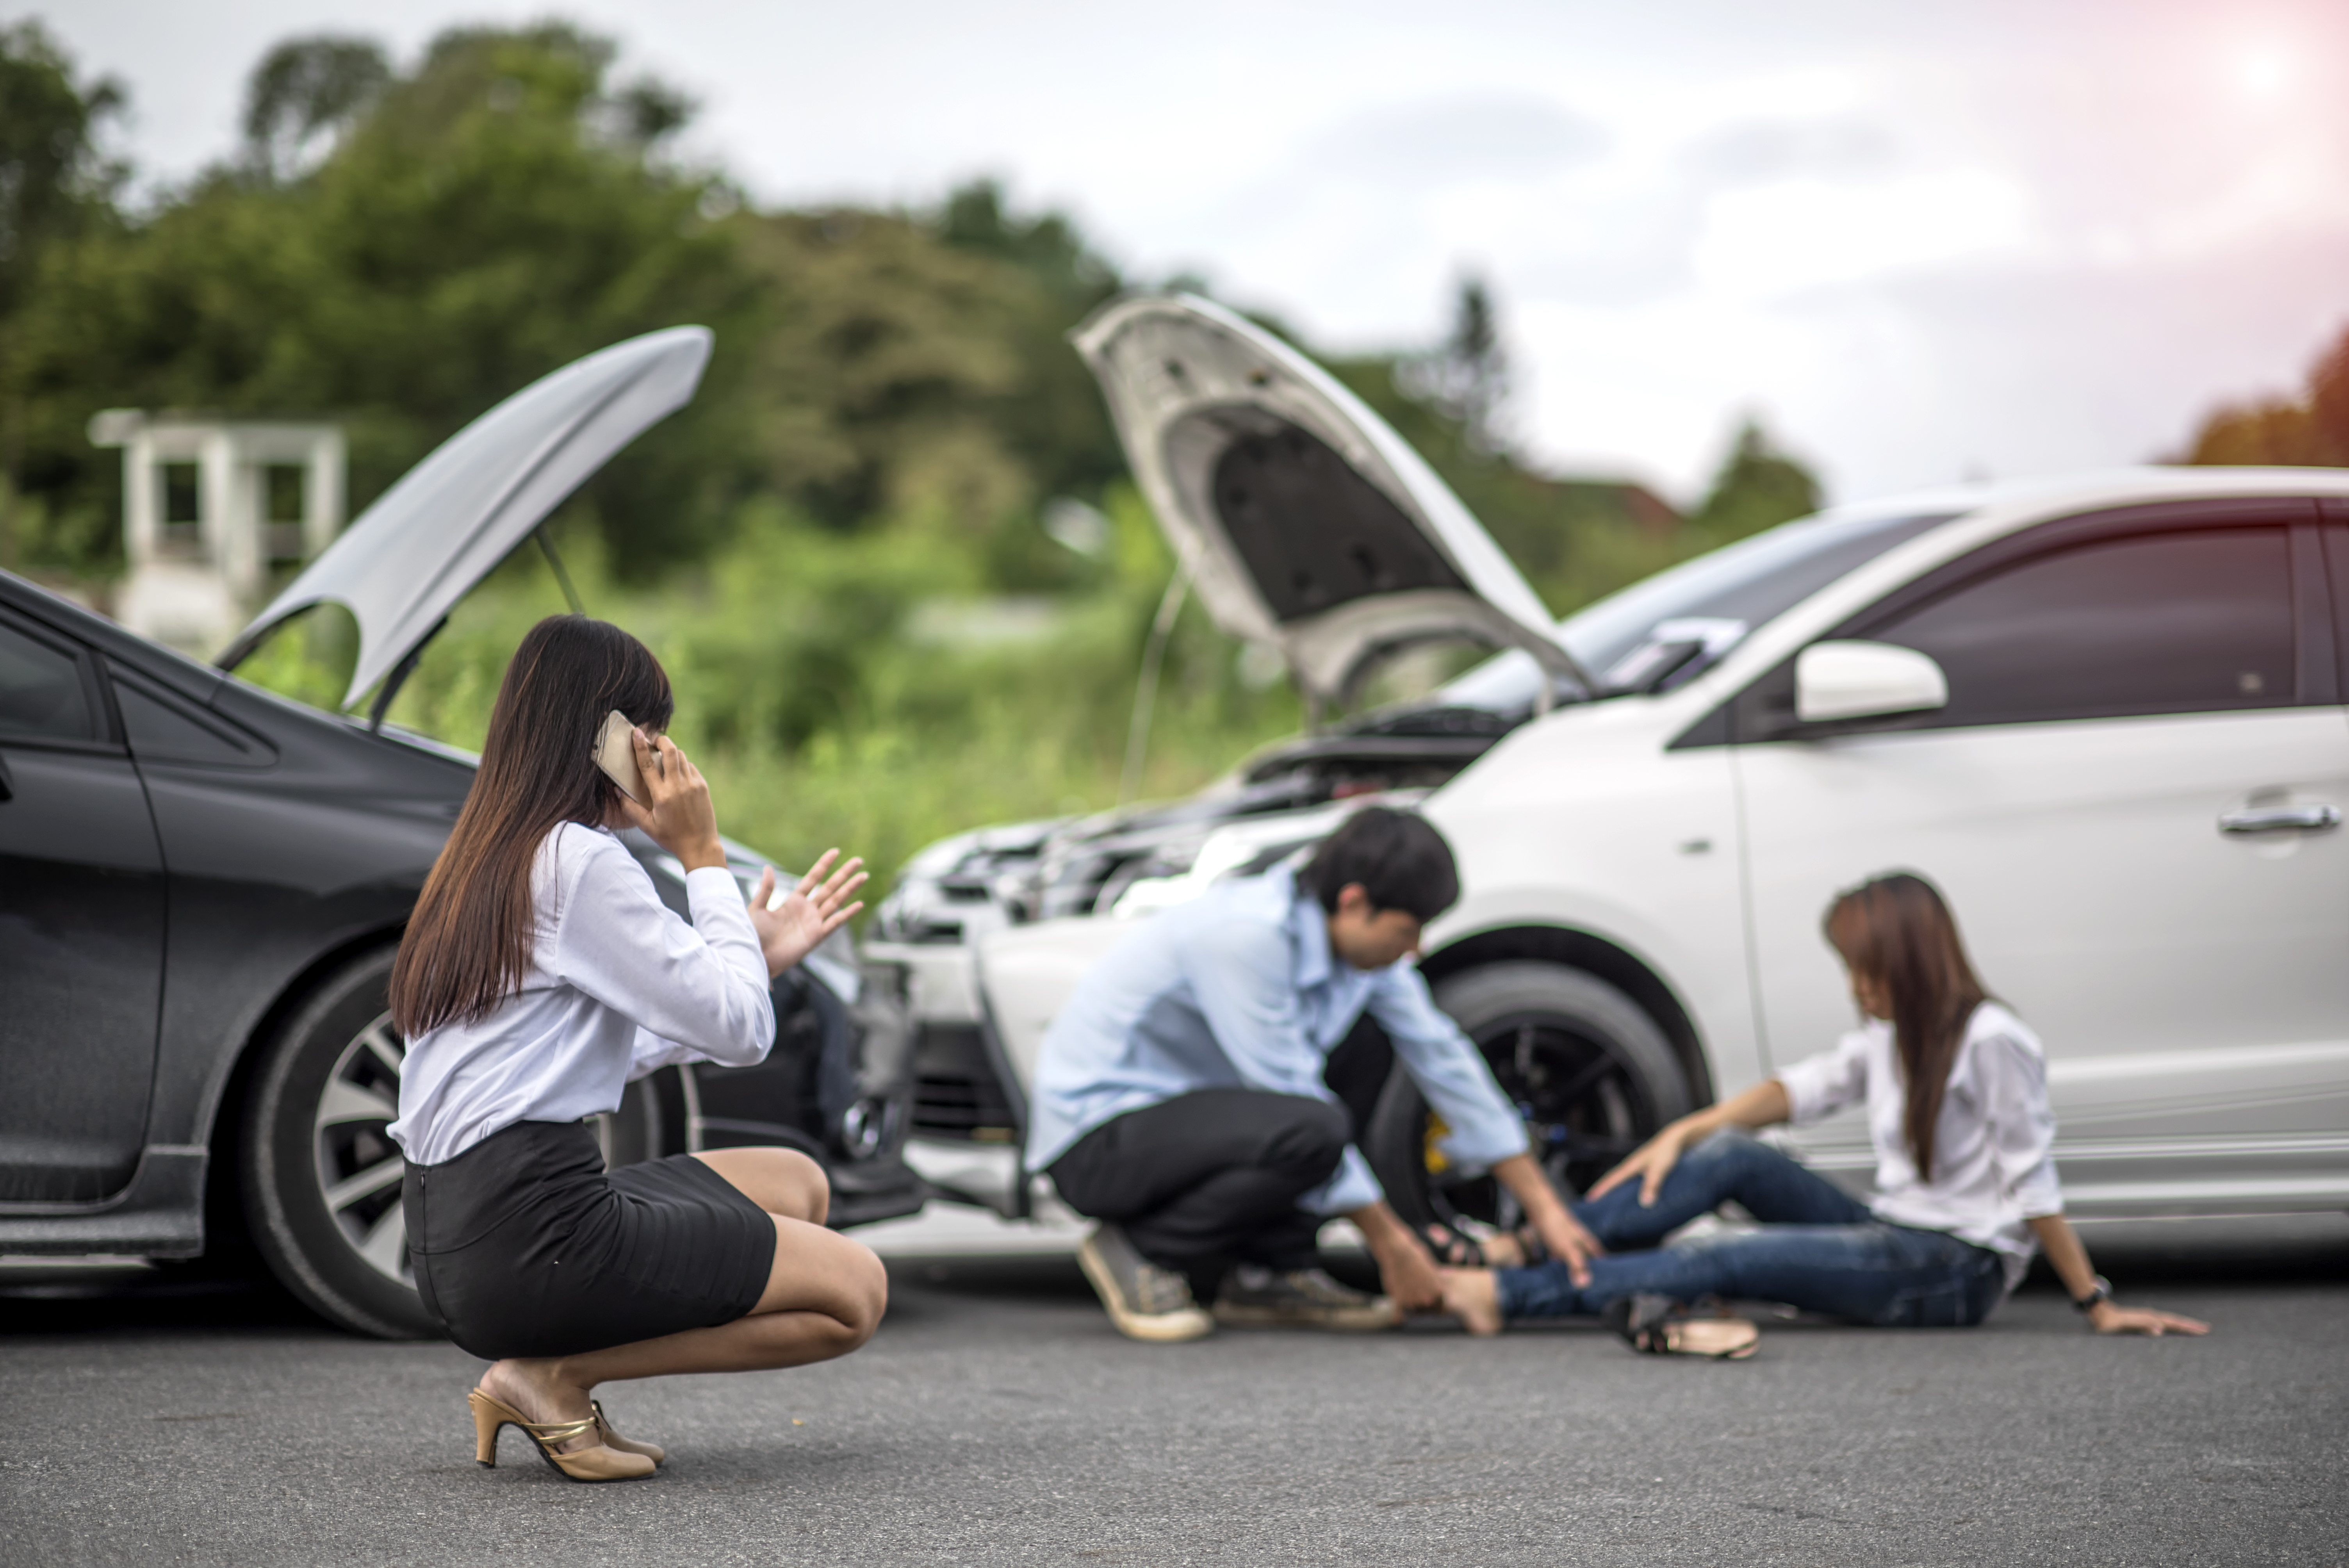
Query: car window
{"points": [[2167, 623], [163, 730], [42, 695], [1750, 581], [1718, 599]]}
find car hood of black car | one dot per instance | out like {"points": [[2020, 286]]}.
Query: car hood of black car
{"points": [[448, 523]]}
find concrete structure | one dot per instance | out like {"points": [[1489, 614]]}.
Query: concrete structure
{"points": [[200, 569]]}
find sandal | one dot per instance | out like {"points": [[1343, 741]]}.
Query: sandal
{"points": [[600, 1462], [1456, 1247], [1654, 1326], [612, 1440]]}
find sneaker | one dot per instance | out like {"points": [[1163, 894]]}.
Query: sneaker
{"points": [[1144, 1301], [1255, 1297]]}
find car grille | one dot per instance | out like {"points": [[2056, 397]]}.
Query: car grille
{"points": [[955, 1092]]}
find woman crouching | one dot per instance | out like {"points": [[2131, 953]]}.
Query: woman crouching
{"points": [[539, 973], [1956, 1093]]}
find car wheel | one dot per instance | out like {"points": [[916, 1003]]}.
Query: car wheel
{"points": [[321, 1176], [1587, 1068]]}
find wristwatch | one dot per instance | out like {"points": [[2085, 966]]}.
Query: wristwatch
{"points": [[2103, 1292]]}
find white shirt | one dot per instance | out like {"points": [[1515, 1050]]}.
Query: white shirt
{"points": [[1993, 1163], [618, 986]]}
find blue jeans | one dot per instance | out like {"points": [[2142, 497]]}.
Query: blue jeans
{"points": [[1819, 1249]]}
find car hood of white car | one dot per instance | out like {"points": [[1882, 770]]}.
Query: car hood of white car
{"points": [[448, 522], [1305, 521]]}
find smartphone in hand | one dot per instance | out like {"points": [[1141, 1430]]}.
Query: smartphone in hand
{"points": [[615, 754]]}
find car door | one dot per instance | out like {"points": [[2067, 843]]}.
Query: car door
{"points": [[81, 929], [2130, 801]]}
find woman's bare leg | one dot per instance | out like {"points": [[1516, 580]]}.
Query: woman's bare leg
{"points": [[780, 1181], [825, 1297]]}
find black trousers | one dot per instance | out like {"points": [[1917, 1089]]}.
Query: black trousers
{"points": [[1206, 1180]]}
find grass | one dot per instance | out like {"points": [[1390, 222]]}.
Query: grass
{"points": [[817, 715]]}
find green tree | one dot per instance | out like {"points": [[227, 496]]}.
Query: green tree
{"points": [[53, 184], [306, 90], [1467, 378], [2309, 430], [476, 223], [1052, 417], [1757, 487]]}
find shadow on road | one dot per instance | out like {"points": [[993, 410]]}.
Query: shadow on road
{"points": [[79, 1296], [2247, 1250]]}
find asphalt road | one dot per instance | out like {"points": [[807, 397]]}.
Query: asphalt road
{"points": [[997, 1418]]}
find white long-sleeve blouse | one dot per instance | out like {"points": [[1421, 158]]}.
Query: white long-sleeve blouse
{"points": [[617, 984], [1993, 1163]]}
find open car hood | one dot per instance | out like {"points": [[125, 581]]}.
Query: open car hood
{"points": [[424, 543], [1306, 521]]}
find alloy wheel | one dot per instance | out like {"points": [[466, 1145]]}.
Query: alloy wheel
{"points": [[359, 1170], [1584, 1105]]}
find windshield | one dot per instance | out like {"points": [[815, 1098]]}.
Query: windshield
{"points": [[1715, 600]]}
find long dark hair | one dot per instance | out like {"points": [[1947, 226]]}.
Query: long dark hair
{"points": [[468, 943], [1896, 934]]}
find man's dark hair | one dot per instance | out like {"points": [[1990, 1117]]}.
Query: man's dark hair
{"points": [[1400, 858]]}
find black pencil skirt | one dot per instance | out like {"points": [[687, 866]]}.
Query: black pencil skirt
{"points": [[525, 1245]]}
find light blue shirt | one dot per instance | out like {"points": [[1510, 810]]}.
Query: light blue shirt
{"points": [[1237, 989]]}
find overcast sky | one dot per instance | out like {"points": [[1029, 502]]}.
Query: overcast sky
{"points": [[1919, 241]]}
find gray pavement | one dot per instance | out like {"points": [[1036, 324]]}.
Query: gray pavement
{"points": [[998, 1420]]}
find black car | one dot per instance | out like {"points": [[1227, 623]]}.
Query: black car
{"points": [[203, 885]]}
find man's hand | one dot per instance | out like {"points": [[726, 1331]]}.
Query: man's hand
{"points": [[1552, 1220], [1406, 1273], [790, 926], [1570, 1243]]}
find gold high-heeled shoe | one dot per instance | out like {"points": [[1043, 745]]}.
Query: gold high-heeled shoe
{"points": [[612, 1440], [601, 1463]]}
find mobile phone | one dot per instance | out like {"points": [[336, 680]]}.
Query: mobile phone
{"points": [[615, 754]]}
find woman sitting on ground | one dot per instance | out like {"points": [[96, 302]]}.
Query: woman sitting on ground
{"points": [[1956, 1090], [539, 973]]}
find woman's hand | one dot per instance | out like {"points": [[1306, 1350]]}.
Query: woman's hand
{"points": [[1650, 1162], [790, 927], [2111, 1318], [1763, 1105], [676, 813]]}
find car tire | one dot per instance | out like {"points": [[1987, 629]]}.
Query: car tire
{"points": [[320, 1176], [1587, 1066]]}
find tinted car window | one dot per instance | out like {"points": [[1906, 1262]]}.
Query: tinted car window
{"points": [[1747, 583], [41, 692], [1753, 582], [162, 731], [2167, 622]]}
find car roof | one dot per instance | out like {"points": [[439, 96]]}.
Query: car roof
{"points": [[2099, 487]]}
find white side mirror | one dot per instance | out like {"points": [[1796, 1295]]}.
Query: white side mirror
{"points": [[1862, 680]]}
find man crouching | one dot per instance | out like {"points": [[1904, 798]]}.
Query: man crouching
{"points": [[1180, 1098]]}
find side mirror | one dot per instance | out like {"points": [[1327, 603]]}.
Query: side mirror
{"points": [[1863, 680]]}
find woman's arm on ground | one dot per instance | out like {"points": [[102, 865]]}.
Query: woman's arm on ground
{"points": [[1764, 1105], [2069, 1259]]}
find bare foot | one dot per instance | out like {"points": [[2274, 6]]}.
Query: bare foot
{"points": [[1469, 1295], [536, 1388]]}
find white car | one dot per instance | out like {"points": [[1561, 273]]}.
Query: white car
{"points": [[2104, 714]]}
